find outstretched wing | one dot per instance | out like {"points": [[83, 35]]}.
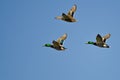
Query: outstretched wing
{"points": [[72, 10], [98, 38], [61, 39], [106, 37]]}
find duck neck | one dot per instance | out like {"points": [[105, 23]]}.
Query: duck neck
{"points": [[90, 42]]}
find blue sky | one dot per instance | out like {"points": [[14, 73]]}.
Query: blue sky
{"points": [[26, 25]]}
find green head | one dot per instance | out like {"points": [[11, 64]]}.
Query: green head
{"points": [[48, 45], [90, 42]]}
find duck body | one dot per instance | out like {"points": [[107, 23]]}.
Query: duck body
{"points": [[67, 18], [102, 45], [57, 45]]}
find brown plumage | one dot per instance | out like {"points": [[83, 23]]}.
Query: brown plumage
{"points": [[101, 41], [59, 43], [68, 17]]}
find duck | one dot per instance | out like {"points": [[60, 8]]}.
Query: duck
{"points": [[69, 16], [100, 41], [58, 44]]}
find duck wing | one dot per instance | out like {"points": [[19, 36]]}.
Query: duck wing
{"points": [[104, 38], [56, 44], [72, 10], [65, 16], [61, 39], [98, 38]]}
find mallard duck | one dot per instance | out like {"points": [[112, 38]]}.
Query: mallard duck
{"points": [[58, 45], [68, 17], [100, 41]]}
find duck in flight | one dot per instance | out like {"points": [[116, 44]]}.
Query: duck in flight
{"points": [[58, 45], [68, 17], [100, 41]]}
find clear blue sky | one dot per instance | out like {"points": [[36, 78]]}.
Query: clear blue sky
{"points": [[26, 25]]}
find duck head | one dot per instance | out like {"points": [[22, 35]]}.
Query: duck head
{"points": [[90, 42], [47, 45]]}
